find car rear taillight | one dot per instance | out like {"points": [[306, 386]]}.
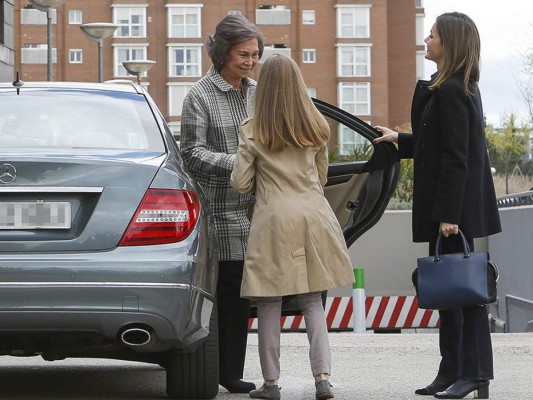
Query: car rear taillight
{"points": [[164, 216]]}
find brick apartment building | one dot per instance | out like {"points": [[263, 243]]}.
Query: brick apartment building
{"points": [[364, 56]]}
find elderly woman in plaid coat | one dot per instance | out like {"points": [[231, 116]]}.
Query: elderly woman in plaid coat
{"points": [[212, 112]]}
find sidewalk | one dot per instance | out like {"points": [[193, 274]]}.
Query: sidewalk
{"points": [[389, 366]]}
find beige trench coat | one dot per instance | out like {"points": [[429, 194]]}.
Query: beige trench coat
{"points": [[295, 244]]}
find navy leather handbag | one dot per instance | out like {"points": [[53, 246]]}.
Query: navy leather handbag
{"points": [[455, 280]]}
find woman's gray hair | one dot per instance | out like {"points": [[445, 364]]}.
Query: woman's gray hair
{"points": [[232, 29]]}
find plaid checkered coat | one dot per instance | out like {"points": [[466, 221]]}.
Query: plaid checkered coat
{"points": [[212, 113]]}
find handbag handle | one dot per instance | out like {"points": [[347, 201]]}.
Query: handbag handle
{"points": [[438, 245]]}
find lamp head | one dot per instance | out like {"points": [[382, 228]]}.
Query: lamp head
{"points": [[96, 31], [137, 67], [45, 5]]}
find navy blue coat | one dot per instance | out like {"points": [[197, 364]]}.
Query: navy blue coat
{"points": [[452, 178]]}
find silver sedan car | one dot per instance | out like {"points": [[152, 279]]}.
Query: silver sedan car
{"points": [[106, 245], [107, 248]]}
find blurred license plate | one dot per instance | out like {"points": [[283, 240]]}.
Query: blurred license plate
{"points": [[35, 215]]}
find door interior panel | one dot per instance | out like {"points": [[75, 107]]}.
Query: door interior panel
{"points": [[343, 195]]}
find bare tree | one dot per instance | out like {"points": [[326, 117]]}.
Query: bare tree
{"points": [[524, 83]]}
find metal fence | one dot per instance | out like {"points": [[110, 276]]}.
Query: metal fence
{"points": [[516, 199], [519, 320]]}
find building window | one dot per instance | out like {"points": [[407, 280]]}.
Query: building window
{"points": [[175, 129], [177, 93], [420, 64], [75, 17], [234, 12], [311, 91], [308, 17], [354, 60], [349, 141], [185, 60], [185, 22], [309, 56], [75, 56], [420, 31], [419, 4], [131, 21], [127, 53], [353, 22], [355, 97]]}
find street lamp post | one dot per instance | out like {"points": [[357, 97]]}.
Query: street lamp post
{"points": [[138, 67], [47, 6], [97, 32]]}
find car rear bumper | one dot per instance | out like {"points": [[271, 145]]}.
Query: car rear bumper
{"points": [[166, 289], [176, 314]]}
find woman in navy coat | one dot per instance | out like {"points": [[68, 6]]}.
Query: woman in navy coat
{"points": [[453, 189]]}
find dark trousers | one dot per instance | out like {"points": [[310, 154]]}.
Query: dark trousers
{"points": [[233, 316], [464, 333]]}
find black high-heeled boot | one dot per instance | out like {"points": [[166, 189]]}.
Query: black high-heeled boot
{"points": [[439, 383], [463, 387]]}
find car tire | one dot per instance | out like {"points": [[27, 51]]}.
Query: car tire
{"points": [[195, 375]]}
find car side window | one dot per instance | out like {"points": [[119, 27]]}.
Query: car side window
{"points": [[346, 144]]}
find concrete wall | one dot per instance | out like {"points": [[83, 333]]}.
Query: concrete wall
{"points": [[512, 250], [388, 256]]}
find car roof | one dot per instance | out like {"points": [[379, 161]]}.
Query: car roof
{"points": [[118, 87]]}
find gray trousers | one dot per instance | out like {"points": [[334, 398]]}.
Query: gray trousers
{"points": [[269, 332]]}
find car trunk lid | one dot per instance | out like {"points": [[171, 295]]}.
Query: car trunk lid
{"points": [[81, 203]]}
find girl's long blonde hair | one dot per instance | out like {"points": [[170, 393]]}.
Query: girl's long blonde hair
{"points": [[462, 48], [284, 113]]}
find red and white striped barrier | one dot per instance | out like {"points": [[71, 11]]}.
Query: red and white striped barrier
{"points": [[398, 312], [382, 312]]}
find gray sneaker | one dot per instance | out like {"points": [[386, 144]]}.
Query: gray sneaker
{"points": [[267, 392], [323, 390]]}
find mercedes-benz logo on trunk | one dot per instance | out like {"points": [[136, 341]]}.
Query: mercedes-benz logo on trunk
{"points": [[8, 173]]}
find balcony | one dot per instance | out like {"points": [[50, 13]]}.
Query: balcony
{"points": [[37, 56], [32, 16], [275, 49], [273, 15]]}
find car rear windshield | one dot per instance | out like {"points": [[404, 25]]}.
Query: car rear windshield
{"points": [[77, 119]]}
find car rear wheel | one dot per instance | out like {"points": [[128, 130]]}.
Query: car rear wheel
{"points": [[195, 375]]}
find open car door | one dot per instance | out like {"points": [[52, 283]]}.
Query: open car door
{"points": [[359, 190]]}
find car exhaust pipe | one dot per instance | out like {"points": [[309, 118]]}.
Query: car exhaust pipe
{"points": [[137, 338]]}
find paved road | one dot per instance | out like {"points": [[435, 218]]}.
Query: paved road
{"points": [[366, 366]]}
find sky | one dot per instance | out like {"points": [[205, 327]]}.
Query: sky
{"points": [[506, 31]]}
